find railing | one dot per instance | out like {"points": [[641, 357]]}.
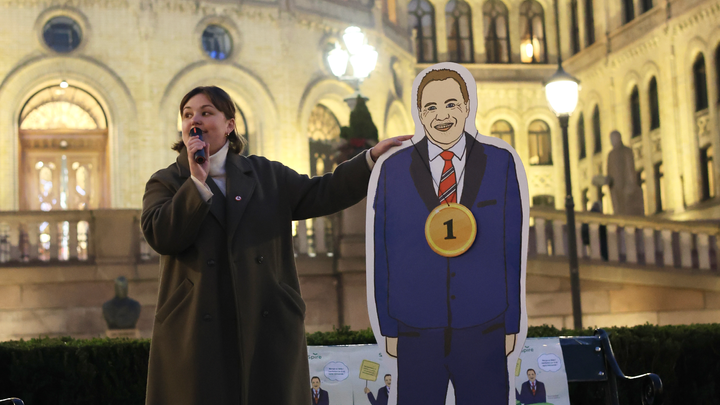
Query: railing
{"points": [[633, 240], [315, 237], [114, 235], [27, 236]]}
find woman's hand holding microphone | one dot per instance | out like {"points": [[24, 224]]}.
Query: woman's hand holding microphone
{"points": [[195, 143]]}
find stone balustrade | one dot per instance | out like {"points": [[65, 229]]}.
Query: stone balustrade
{"points": [[633, 240], [72, 236], [99, 236]]}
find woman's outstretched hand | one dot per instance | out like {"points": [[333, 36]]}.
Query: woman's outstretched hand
{"points": [[385, 145]]}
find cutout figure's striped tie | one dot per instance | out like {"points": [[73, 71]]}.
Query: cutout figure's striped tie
{"points": [[447, 191]]}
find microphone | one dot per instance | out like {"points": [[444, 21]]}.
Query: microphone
{"points": [[199, 155]]}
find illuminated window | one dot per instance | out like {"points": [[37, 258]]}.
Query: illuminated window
{"points": [[323, 128], [458, 21], [532, 32], [540, 143], [422, 22], [497, 32], [503, 130]]}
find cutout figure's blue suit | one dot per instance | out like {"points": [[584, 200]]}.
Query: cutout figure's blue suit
{"points": [[450, 315]]}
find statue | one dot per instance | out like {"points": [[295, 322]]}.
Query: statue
{"points": [[626, 194], [121, 312]]}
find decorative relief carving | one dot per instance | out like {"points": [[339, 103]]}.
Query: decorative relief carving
{"points": [[638, 152], [701, 124], [643, 48], [541, 183], [656, 145], [711, 12]]}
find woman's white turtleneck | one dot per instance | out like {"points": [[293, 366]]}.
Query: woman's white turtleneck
{"points": [[217, 172]]}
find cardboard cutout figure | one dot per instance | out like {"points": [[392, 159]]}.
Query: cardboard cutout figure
{"points": [[447, 229]]}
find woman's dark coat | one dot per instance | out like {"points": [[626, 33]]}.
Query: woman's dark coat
{"points": [[229, 322]]}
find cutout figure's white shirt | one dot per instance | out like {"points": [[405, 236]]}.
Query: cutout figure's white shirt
{"points": [[217, 172], [437, 163]]}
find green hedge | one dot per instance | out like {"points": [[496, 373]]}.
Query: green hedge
{"points": [[114, 371]]}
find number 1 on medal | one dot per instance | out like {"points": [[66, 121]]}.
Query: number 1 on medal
{"points": [[449, 225]]}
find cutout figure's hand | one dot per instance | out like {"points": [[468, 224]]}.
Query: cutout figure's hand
{"points": [[367, 390], [391, 346], [510, 344], [383, 146]]}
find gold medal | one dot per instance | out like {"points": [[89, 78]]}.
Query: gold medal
{"points": [[450, 229]]}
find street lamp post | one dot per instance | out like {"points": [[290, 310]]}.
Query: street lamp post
{"points": [[362, 58], [561, 91]]}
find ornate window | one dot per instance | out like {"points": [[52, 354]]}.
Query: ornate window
{"points": [[628, 10], [216, 42], [635, 112], [323, 128], [503, 130], [581, 137], [497, 32], [422, 22], [458, 21], [654, 104], [646, 5], [597, 135], [575, 34], [532, 32], [700, 76], [589, 23], [62, 34], [540, 143]]}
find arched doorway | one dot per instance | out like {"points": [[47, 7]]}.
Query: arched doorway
{"points": [[63, 139]]}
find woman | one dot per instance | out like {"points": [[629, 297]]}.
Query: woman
{"points": [[229, 322]]}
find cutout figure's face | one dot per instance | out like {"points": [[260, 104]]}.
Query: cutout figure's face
{"points": [[315, 383], [388, 380], [531, 375], [443, 112]]}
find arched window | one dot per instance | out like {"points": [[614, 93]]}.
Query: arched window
{"points": [[422, 22], [497, 32], [654, 104], [701, 95], [575, 34], [597, 135], [635, 112], [322, 129], [458, 21], [646, 5], [532, 32], [503, 130], [628, 11], [581, 137], [540, 143], [589, 23]]}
